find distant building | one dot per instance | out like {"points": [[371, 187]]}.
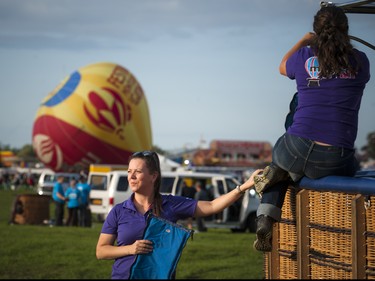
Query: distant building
{"points": [[234, 154]]}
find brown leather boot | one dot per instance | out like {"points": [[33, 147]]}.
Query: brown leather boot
{"points": [[263, 243], [271, 174]]}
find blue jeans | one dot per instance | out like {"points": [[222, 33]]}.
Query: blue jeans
{"points": [[302, 157]]}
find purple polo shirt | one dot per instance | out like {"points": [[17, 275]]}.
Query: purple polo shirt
{"points": [[327, 108], [128, 225]]}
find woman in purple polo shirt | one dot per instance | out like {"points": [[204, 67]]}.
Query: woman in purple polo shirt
{"points": [[126, 222], [331, 76]]}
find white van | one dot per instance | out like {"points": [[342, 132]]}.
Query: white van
{"points": [[108, 189], [48, 178]]}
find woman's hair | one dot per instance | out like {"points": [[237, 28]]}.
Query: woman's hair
{"points": [[151, 159], [332, 42]]}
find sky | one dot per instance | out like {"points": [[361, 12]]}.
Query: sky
{"points": [[208, 68]]}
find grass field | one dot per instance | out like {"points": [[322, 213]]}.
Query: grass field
{"points": [[43, 252]]}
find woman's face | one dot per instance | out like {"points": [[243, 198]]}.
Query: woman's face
{"points": [[139, 177]]}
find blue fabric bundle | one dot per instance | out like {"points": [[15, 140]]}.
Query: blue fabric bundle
{"points": [[169, 239]]}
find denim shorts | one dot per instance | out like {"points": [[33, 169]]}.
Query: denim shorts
{"points": [[303, 157]]}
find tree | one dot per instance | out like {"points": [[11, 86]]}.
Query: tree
{"points": [[26, 151]]}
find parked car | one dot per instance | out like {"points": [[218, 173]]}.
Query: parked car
{"points": [[108, 189], [48, 178]]}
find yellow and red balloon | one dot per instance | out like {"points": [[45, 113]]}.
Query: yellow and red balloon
{"points": [[99, 114]]}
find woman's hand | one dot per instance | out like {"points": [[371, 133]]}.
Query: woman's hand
{"points": [[250, 182], [141, 247]]}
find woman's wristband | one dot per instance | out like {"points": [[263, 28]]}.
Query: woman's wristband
{"points": [[239, 189]]}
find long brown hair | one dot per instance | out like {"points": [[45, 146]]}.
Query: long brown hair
{"points": [[332, 42], [152, 161]]}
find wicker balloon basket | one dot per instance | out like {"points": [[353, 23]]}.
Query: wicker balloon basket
{"points": [[323, 235], [31, 209]]}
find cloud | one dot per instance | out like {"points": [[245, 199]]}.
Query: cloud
{"points": [[120, 23]]}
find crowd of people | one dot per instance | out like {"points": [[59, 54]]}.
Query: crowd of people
{"points": [[14, 180], [75, 199]]}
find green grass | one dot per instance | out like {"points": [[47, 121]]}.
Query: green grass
{"points": [[43, 252]]}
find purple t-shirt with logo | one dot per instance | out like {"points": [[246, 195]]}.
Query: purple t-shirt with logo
{"points": [[327, 108], [128, 225]]}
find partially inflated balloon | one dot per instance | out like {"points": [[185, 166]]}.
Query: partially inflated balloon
{"points": [[99, 114]]}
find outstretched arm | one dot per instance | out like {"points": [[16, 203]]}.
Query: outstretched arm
{"points": [[207, 208], [304, 41]]}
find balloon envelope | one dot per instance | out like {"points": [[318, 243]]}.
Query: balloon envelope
{"points": [[99, 114]]}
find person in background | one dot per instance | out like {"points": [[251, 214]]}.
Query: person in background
{"points": [[201, 194], [331, 76], [189, 192], [16, 181], [83, 173], [59, 199], [30, 181], [122, 231], [73, 196], [84, 213]]}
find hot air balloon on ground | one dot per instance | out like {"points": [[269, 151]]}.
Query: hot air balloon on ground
{"points": [[99, 114]]}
